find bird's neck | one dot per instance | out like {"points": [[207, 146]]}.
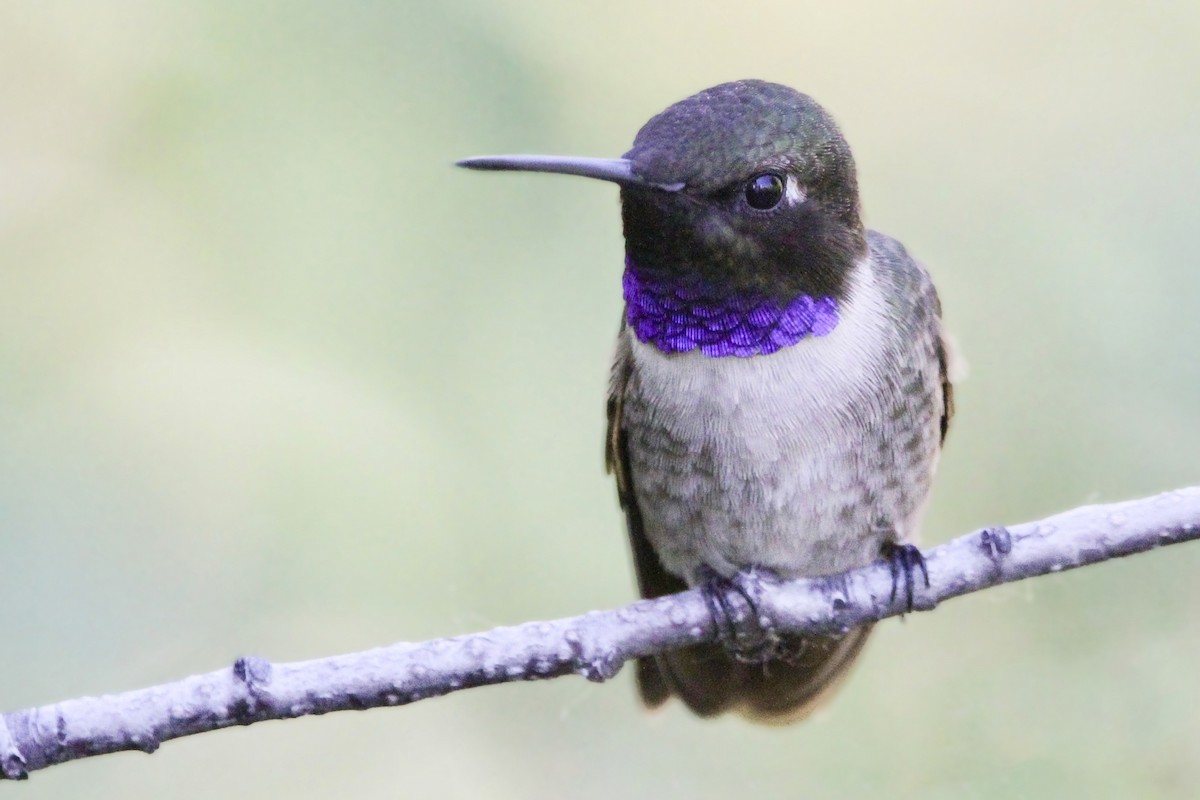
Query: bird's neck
{"points": [[678, 314]]}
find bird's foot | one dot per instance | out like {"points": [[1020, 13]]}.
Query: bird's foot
{"points": [[904, 561], [745, 633]]}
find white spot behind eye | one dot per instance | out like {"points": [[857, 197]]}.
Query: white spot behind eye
{"points": [[792, 191]]}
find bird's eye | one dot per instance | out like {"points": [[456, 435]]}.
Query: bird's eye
{"points": [[764, 192]]}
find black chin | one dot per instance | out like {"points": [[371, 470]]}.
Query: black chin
{"points": [[807, 250]]}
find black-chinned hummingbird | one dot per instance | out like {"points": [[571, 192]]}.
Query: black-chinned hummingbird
{"points": [[779, 394]]}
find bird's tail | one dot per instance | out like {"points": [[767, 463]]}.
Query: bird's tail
{"points": [[776, 691]]}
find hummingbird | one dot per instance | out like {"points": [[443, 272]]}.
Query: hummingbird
{"points": [[779, 394]]}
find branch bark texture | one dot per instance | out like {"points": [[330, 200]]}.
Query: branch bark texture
{"points": [[594, 645]]}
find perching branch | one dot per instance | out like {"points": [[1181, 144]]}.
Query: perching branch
{"points": [[594, 645]]}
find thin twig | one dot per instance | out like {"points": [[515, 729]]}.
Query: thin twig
{"points": [[594, 645]]}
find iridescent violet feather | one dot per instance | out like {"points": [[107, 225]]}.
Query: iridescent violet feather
{"points": [[678, 318]]}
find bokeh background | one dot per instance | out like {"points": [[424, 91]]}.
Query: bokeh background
{"points": [[276, 379]]}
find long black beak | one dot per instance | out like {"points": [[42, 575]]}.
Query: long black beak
{"points": [[617, 170]]}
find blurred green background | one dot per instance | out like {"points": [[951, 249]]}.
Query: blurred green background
{"points": [[277, 379]]}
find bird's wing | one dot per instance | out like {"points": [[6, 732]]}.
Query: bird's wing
{"points": [[918, 312], [653, 580], [945, 352]]}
